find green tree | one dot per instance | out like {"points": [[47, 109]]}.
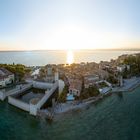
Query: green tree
{"points": [[63, 95]]}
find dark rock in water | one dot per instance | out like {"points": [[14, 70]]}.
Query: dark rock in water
{"points": [[45, 114], [87, 107]]}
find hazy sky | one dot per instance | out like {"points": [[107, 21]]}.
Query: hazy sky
{"points": [[69, 24]]}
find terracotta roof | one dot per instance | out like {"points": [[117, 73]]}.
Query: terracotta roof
{"points": [[75, 84]]}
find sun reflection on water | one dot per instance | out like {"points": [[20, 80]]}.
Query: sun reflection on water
{"points": [[70, 57]]}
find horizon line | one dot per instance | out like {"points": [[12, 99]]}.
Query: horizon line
{"points": [[115, 49]]}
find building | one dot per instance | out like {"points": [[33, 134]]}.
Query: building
{"points": [[35, 73], [104, 86], [122, 68], [90, 80], [75, 87], [51, 75], [6, 77]]}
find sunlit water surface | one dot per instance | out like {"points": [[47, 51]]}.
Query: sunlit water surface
{"points": [[57, 57]]}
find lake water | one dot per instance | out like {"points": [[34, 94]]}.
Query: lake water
{"points": [[39, 58], [116, 117]]}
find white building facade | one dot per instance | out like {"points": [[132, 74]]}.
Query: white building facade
{"points": [[6, 77]]}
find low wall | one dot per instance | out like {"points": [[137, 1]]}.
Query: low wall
{"points": [[18, 90], [38, 84], [22, 105], [105, 82]]}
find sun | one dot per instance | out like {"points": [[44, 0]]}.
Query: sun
{"points": [[70, 57]]}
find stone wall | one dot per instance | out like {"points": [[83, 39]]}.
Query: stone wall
{"points": [[2, 95], [42, 85], [18, 103], [34, 108]]}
